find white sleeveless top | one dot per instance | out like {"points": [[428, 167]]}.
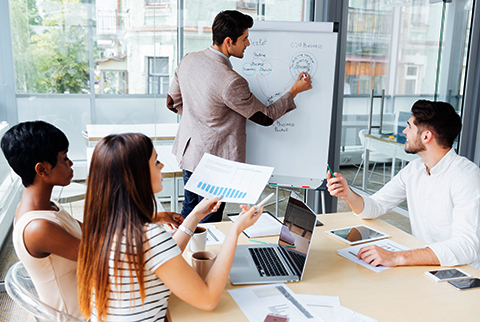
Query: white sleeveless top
{"points": [[54, 277]]}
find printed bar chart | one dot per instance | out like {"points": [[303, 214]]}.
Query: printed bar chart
{"points": [[218, 191], [233, 181]]}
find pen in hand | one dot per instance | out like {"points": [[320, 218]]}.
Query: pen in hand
{"points": [[331, 172], [261, 203]]}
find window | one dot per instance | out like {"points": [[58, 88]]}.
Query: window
{"points": [[157, 2], [7, 176], [158, 78], [411, 75], [365, 84], [77, 52], [351, 84], [247, 5], [111, 82], [403, 47]]}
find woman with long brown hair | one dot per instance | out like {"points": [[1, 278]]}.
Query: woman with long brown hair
{"points": [[119, 281]]}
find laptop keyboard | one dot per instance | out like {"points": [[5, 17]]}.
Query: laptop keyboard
{"points": [[299, 259], [267, 261]]}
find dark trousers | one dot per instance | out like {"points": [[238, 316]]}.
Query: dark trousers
{"points": [[192, 199]]}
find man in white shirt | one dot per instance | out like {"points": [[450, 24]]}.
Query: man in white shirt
{"points": [[442, 191]]}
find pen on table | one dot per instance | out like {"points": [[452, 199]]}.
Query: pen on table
{"points": [[352, 253], [267, 243]]}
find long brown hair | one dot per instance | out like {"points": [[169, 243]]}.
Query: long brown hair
{"points": [[118, 202]]}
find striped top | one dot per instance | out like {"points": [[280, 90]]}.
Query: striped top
{"points": [[125, 302]]}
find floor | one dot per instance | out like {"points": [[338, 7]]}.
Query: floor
{"points": [[9, 311]]}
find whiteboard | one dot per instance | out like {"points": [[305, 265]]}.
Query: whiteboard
{"points": [[297, 144]]}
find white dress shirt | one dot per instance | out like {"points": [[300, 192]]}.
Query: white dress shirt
{"points": [[444, 207], [221, 54]]}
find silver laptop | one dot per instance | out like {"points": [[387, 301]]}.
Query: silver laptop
{"points": [[285, 262]]}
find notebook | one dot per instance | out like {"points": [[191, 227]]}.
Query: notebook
{"points": [[281, 262]]}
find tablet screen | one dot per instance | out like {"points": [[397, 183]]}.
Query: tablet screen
{"points": [[448, 274], [357, 234]]}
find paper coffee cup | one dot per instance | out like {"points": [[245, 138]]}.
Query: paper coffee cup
{"points": [[198, 242], [202, 262]]}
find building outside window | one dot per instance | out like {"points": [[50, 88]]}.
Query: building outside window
{"points": [[158, 75], [411, 75]]}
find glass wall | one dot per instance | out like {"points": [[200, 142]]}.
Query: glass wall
{"points": [[410, 50], [111, 61]]}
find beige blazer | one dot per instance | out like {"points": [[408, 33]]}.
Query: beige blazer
{"points": [[215, 103]]}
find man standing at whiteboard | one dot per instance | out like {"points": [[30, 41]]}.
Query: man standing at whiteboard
{"points": [[442, 190], [215, 102]]}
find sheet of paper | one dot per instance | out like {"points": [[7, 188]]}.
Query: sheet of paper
{"points": [[266, 225], [236, 182], [258, 301], [352, 316], [328, 308], [214, 235], [351, 253]]}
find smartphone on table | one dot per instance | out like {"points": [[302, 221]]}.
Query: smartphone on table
{"points": [[442, 275], [465, 284]]}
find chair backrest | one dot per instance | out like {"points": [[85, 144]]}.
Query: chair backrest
{"points": [[20, 288], [361, 135]]}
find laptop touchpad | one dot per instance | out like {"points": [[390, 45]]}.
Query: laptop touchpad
{"points": [[239, 262]]}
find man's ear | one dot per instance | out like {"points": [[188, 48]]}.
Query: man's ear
{"points": [[227, 42], [41, 168], [427, 136]]}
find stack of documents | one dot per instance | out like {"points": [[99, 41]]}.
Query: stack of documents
{"points": [[351, 253], [256, 302]]}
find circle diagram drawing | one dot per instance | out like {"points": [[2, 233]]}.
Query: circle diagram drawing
{"points": [[303, 62]]}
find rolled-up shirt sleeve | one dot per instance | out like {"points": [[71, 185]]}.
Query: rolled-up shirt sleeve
{"points": [[390, 196], [464, 244]]}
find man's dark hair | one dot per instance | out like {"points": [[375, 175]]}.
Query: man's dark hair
{"points": [[438, 117], [230, 23], [29, 143]]}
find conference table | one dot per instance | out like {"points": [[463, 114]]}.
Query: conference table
{"points": [[157, 132], [387, 146], [397, 294]]}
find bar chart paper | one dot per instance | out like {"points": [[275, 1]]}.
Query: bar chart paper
{"points": [[236, 182]]}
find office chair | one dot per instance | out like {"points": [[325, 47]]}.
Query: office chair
{"points": [[20, 288], [375, 157], [68, 194]]}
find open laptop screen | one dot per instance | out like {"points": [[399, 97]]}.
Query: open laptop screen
{"points": [[297, 231]]}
